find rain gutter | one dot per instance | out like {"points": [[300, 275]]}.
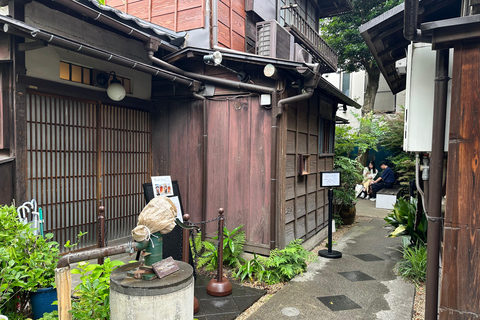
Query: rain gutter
{"points": [[122, 27], [19, 28]]}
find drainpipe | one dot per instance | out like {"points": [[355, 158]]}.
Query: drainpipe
{"points": [[410, 22], [214, 23], [436, 179], [209, 79], [204, 157]]}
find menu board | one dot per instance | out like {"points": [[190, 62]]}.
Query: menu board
{"points": [[162, 186]]}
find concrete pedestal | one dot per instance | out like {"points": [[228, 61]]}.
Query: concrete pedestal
{"points": [[167, 298]]}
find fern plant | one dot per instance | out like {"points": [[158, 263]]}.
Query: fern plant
{"points": [[233, 242], [281, 266]]}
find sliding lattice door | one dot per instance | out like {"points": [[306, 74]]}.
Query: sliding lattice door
{"points": [[80, 154]]}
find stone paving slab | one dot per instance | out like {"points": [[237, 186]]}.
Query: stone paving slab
{"points": [[326, 292]]}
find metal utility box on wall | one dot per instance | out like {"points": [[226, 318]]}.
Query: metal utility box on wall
{"points": [[419, 99]]}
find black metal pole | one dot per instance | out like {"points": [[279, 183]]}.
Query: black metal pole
{"points": [[332, 254]]}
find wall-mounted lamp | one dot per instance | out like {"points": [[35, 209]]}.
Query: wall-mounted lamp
{"points": [[115, 90], [215, 59], [344, 108]]}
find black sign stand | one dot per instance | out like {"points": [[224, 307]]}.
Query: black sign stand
{"points": [[331, 254]]}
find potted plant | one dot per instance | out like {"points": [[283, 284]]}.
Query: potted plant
{"points": [[344, 196], [27, 264]]}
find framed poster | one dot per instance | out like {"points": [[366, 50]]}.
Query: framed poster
{"points": [[330, 179], [162, 186]]}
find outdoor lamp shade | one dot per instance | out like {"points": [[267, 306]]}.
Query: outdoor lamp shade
{"points": [[115, 90], [214, 58]]}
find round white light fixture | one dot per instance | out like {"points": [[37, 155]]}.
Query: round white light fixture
{"points": [[214, 58], [115, 90]]}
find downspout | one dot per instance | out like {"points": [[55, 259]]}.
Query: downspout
{"points": [[410, 22], [210, 79], [214, 23], [204, 157], [436, 179]]}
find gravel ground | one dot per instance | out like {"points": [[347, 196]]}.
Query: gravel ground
{"points": [[419, 306]]}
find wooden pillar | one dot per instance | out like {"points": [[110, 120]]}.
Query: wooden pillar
{"points": [[17, 11], [460, 293], [63, 281]]}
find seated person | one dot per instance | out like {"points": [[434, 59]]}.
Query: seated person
{"points": [[369, 174], [386, 181]]}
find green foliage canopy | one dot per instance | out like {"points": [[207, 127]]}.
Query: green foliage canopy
{"points": [[342, 34]]}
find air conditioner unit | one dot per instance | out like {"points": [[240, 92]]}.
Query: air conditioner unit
{"points": [[302, 55], [274, 41]]}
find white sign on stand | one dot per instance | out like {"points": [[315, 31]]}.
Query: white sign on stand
{"points": [[330, 179]]}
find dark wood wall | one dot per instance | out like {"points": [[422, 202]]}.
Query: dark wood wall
{"points": [[239, 147], [306, 203], [6, 185], [461, 256], [238, 161], [177, 131]]}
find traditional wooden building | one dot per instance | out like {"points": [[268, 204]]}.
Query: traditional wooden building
{"points": [[249, 134]]}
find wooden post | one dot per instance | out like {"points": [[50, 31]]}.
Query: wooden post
{"points": [[63, 281], [460, 293], [101, 238]]}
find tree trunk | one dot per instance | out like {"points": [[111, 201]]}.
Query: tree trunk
{"points": [[373, 78]]}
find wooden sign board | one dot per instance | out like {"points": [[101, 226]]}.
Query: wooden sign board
{"points": [[165, 267]]}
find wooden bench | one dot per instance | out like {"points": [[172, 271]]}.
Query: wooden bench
{"points": [[386, 198]]}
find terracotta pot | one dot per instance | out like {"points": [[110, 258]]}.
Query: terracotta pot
{"points": [[347, 213]]}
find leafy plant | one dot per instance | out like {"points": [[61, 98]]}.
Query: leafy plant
{"points": [[94, 290], [392, 140], [27, 262], [338, 220], [233, 242], [282, 265], [413, 266], [403, 219], [344, 196]]}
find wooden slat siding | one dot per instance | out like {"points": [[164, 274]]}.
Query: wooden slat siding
{"points": [[195, 168], [161, 145], [290, 163], [140, 9], [289, 214], [239, 147], [231, 24], [217, 164], [260, 168], [281, 236], [461, 257], [164, 7], [179, 151], [185, 134]]}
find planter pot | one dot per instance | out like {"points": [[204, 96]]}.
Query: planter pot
{"points": [[41, 301], [347, 214]]}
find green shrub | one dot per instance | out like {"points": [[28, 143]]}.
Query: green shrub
{"points": [[233, 242], [403, 219], [413, 266], [27, 262], [281, 266]]}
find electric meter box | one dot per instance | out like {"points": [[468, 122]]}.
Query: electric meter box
{"points": [[420, 96]]}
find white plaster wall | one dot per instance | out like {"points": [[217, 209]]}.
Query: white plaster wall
{"points": [[45, 64]]}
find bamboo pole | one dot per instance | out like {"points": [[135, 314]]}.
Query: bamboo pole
{"points": [[63, 281]]}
